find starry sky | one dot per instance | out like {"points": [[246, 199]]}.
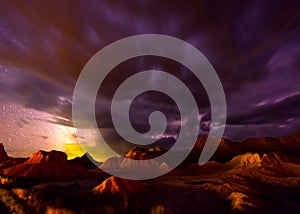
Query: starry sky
{"points": [[254, 47]]}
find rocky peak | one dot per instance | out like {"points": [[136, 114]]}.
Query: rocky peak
{"points": [[44, 156], [115, 185], [3, 154], [245, 160], [86, 161], [139, 153]]}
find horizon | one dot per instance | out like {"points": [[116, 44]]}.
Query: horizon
{"points": [[73, 153]]}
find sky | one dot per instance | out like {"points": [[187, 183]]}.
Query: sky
{"points": [[254, 47]]}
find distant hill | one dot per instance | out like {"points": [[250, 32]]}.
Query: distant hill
{"points": [[136, 153], [229, 149], [86, 161]]}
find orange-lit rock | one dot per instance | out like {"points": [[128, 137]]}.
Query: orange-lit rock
{"points": [[114, 185], [51, 165]]}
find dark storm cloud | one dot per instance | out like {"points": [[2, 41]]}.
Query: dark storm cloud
{"points": [[35, 92], [254, 47], [275, 113], [59, 39]]}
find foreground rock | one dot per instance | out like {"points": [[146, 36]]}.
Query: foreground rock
{"points": [[123, 187]]}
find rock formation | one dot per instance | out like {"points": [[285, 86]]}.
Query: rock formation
{"points": [[44, 165], [138, 153], [245, 160], [3, 154], [123, 187], [146, 156]]}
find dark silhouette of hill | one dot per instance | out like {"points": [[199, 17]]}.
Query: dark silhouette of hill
{"points": [[86, 161], [3, 154]]}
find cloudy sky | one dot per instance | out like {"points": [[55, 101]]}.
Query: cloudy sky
{"points": [[254, 47]]}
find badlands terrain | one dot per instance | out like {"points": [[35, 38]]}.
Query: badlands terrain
{"points": [[258, 175]]}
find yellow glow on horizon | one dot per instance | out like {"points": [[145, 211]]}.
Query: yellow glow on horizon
{"points": [[67, 138], [68, 142], [73, 150]]}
